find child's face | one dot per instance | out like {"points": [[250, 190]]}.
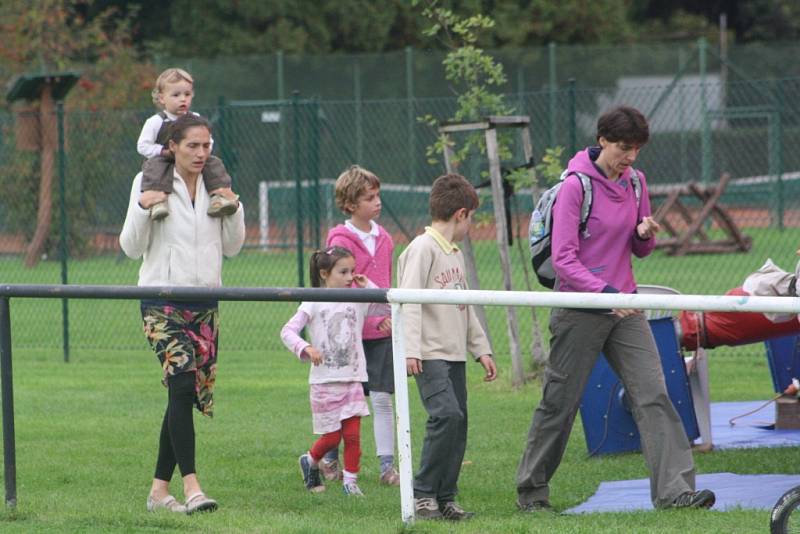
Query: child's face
{"points": [[176, 97], [341, 274], [463, 221], [368, 205]]}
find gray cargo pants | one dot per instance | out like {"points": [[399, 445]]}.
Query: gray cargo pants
{"points": [[577, 339], [443, 389]]}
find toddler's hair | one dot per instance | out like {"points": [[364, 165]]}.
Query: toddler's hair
{"points": [[351, 184], [450, 193], [178, 127], [171, 75], [324, 260]]}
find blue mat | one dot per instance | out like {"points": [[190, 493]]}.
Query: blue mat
{"points": [[732, 491], [755, 430]]}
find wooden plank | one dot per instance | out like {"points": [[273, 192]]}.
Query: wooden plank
{"points": [[509, 120], [448, 127], [495, 174], [466, 244], [538, 352]]}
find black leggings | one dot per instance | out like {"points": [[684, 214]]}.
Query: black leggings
{"points": [[176, 443]]}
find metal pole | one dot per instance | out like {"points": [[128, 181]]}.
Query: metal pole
{"points": [[705, 135], [405, 465], [551, 49], [6, 382], [62, 190], [573, 120], [282, 124], [410, 118], [359, 117], [313, 164], [298, 181]]}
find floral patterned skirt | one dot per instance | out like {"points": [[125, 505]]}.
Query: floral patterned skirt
{"points": [[185, 341]]}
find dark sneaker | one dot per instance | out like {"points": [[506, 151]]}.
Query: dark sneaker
{"points": [[535, 506], [311, 477], [694, 499], [330, 469], [427, 508], [453, 512]]}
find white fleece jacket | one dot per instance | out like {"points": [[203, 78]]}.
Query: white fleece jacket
{"points": [[186, 248]]}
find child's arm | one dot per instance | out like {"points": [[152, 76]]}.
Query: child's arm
{"points": [[290, 335], [380, 310], [488, 364], [146, 145]]}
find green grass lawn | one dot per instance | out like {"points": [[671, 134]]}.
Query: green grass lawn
{"points": [[87, 434], [87, 431]]}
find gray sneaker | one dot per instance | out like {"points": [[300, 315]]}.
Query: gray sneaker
{"points": [[351, 488], [453, 512], [159, 211], [221, 206], [311, 478], [535, 506], [427, 508]]}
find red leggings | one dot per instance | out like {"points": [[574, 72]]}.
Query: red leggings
{"points": [[351, 434]]}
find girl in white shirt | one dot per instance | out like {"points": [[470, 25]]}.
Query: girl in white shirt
{"points": [[338, 366]]}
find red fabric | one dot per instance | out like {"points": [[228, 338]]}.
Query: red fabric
{"points": [[731, 328], [351, 434]]}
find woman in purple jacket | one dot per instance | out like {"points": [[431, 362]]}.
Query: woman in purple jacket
{"points": [[598, 260]]}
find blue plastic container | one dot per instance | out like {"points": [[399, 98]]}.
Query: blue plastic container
{"points": [[607, 420]]}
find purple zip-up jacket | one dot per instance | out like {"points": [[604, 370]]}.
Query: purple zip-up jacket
{"points": [[377, 268], [600, 262]]}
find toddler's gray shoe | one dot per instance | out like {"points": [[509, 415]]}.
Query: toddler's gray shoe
{"points": [[221, 206], [159, 211]]}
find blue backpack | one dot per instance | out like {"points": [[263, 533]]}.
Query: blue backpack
{"points": [[541, 225]]}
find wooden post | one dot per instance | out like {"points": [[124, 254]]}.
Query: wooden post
{"points": [[537, 347], [47, 118], [517, 370]]}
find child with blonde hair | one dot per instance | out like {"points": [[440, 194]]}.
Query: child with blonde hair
{"points": [[173, 94], [358, 196], [338, 366]]}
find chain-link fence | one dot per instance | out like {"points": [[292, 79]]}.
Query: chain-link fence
{"points": [[285, 154]]}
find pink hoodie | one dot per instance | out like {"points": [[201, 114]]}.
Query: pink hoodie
{"points": [[602, 261], [377, 268]]}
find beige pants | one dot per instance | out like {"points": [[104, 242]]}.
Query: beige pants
{"points": [[577, 339]]}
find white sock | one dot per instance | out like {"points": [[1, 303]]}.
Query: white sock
{"points": [[383, 422]]}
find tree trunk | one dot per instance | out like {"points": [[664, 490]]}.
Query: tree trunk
{"points": [[47, 117]]}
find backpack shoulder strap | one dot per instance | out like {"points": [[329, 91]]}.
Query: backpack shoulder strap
{"points": [[637, 186], [586, 206]]}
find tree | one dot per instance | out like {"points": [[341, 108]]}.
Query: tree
{"points": [[53, 36], [475, 78]]}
